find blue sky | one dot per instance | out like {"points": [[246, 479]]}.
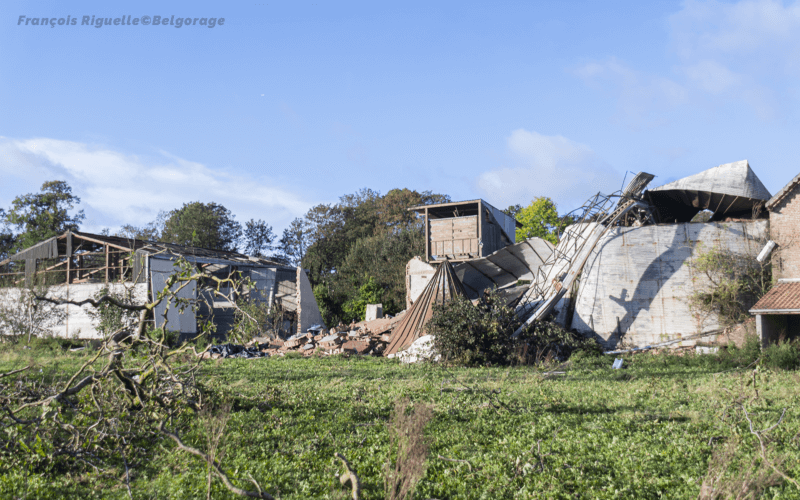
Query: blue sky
{"points": [[292, 104]]}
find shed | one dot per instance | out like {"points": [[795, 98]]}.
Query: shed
{"points": [[778, 312], [465, 230]]}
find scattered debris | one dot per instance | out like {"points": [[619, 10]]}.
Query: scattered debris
{"points": [[617, 364], [420, 350], [233, 351]]}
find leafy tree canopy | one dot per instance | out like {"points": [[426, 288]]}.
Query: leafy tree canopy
{"points": [[258, 238], [42, 215], [539, 219], [203, 225]]}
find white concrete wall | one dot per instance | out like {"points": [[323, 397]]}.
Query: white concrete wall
{"points": [[636, 285], [418, 274], [74, 321], [308, 313]]}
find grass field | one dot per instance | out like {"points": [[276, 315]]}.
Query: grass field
{"points": [[658, 428]]}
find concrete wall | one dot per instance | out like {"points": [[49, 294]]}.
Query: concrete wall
{"points": [[635, 287], [308, 313], [785, 231], [73, 321], [418, 273]]}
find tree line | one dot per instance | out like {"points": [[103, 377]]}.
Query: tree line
{"points": [[355, 250]]}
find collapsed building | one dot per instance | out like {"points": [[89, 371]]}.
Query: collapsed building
{"points": [[624, 273], [76, 266]]}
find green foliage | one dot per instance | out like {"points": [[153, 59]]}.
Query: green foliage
{"points": [[370, 292], [202, 225], [737, 281], [741, 356], [110, 318], [784, 355], [43, 215], [517, 432], [473, 335], [483, 334], [364, 235], [539, 219], [258, 237]]}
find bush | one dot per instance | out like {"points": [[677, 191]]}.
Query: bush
{"points": [[483, 334], [742, 356], [784, 355]]}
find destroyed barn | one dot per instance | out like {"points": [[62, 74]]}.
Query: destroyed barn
{"points": [[76, 266], [623, 273]]}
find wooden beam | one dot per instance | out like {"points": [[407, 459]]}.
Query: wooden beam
{"points": [[106, 249], [100, 242]]}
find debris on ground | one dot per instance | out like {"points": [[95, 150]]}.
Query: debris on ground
{"points": [[364, 338], [419, 350], [233, 351]]}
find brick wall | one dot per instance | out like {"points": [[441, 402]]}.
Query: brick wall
{"points": [[785, 231]]}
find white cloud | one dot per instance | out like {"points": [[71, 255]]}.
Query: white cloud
{"points": [[117, 188], [554, 166], [746, 28], [724, 54]]}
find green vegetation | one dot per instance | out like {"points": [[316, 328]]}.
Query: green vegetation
{"points": [[665, 426], [737, 281], [539, 219], [365, 239], [38, 216], [481, 334]]}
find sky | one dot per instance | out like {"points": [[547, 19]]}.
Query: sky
{"points": [[286, 105]]}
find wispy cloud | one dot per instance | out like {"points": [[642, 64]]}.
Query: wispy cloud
{"points": [[118, 188], [554, 166], [722, 54]]}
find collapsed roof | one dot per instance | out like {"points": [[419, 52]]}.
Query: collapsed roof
{"points": [[729, 190], [443, 287]]}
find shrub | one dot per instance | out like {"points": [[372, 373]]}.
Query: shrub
{"points": [[483, 334], [784, 355], [742, 356], [473, 335], [737, 282]]}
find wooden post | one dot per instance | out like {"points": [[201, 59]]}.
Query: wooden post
{"points": [[69, 257], [106, 249], [427, 238], [480, 228]]}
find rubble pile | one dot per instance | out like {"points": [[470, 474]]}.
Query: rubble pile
{"points": [[365, 338]]}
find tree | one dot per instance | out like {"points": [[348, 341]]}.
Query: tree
{"points": [[150, 232], [43, 215], [203, 225], [258, 237], [540, 219], [294, 242], [7, 238]]}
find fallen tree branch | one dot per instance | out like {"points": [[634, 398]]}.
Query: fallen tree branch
{"points": [[14, 371], [217, 470], [349, 476], [455, 460], [764, 449]]}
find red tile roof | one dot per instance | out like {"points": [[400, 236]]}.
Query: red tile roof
{"points": [[782, 297]]}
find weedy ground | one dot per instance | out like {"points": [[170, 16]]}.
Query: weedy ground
{"points": [[664, 426]]}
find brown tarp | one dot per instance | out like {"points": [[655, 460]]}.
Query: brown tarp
{"points": [[443, 286]]}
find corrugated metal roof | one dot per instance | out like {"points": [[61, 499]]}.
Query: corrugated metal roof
{"points": [[505, 266], [782, 297]]}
